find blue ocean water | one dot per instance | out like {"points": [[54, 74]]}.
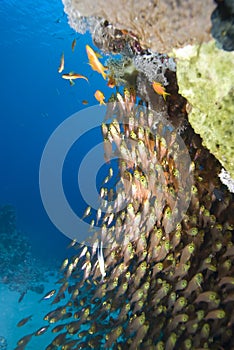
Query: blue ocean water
{"points": [[35, 100]]}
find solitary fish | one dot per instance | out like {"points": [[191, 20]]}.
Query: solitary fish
{"points": [[100, 97], [61, 66], [22, 296], [72, 76], [160, 89], [94, 62], [73, 45]]}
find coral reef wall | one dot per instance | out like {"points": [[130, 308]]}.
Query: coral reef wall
{"points": [[205, 77], [160, 25]]}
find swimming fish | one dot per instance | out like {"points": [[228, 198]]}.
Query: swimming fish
{"points": [[41, 330], [160, 89], [101, 260], [64, 264], [72, 76], [94, 62], [22, 296], [23, 321], [23, 341], [87, 212], [61, 66], [100, 97], [73, 45], [48, 295]]}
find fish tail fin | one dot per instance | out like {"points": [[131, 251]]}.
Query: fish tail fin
{"points": [[165, 94], [104, 75]]}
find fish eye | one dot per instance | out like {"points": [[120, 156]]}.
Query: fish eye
{"points": [[194, 189], [212, 296], [191, 248]]}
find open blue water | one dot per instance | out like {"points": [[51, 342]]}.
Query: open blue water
{"points": [[35, 100]]}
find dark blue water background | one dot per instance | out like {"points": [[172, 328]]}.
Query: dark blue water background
{"points": [[34, 101]]}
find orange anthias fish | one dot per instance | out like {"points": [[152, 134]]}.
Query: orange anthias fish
{"points": [[94, 62], [100, 97], [160, 89], [72, 76]]}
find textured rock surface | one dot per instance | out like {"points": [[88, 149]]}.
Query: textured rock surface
{"points": [[223, 24], [206, 79], [161, 25]]}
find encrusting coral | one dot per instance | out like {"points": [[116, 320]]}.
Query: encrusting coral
{"points": [[205, 77]]}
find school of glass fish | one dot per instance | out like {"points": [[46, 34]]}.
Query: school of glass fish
{"points": [[152, 277]]}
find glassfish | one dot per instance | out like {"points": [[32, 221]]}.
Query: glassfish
{"points": [[23, 321], [101, 260]]}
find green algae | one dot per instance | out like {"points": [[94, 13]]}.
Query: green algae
{"points": [[205, 77]]}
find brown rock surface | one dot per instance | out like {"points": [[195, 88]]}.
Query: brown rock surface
{"points": [[161, 25]]}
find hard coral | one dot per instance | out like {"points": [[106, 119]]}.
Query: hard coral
{"points": [[160, 25], [205, 77]]}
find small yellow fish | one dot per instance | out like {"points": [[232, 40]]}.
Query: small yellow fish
{"points": [[73, 45], [85, 102], [160, 89], [100, 97], [94, 62], [61, 66]]}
